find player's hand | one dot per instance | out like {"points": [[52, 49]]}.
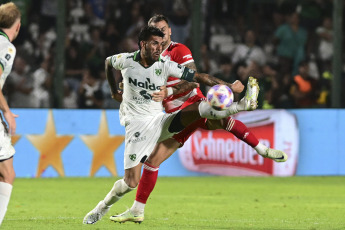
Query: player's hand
{"points": [[10, 118], [237, 86], [117, 96], [121, 85], [160, 95]]}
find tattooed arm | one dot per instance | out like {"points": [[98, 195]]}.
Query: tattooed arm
{"points": [[184, 86], [236, 87]]}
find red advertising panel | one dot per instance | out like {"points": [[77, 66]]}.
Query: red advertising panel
{"points": [[221, 153]]}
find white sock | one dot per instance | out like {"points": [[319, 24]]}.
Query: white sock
{"points": [[119, 189], [206, 111], [261, 149], [235, 107], [5, 194], [137, 208]]}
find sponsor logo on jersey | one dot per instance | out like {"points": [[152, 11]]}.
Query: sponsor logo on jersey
{"points": [[10, 50], [137, 138], [145, 94], [7, 57], [146, 85], [133, 157], [158, 71]]}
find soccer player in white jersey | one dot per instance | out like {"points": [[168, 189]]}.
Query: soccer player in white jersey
{"points": [[9, 28], [145, 122]]}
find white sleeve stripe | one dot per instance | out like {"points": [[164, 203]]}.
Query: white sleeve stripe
{"points": [[173, 82], [187, 62]]}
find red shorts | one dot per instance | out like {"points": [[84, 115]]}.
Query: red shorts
{"points": [[183, 136]]}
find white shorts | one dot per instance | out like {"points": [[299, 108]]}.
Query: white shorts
{"points": [[142, 136], [6, 148]]}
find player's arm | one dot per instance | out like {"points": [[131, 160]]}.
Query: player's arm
{"points": [[9, 116], [115, 94], [204, 78], [236, 87], [185, 86], [181, 87]]}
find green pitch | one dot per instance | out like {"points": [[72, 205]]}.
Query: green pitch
{"points": [[185, 203]]}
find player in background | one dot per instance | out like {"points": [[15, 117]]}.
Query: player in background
{"points": [[9, 28], [184, 94], [142, 114]]}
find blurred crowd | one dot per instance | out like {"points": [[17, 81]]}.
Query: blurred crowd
{"points": [[286, 44]]}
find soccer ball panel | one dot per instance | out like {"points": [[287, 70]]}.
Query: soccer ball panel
{"points": [[220, 97]]}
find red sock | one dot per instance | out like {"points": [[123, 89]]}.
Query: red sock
{"points": [[147, 183], [241, 131]]}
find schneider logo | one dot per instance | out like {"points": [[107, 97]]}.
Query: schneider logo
{"points": [[146, 85]]}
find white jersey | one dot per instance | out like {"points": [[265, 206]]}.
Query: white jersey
{"points": [[7, 54], [140, 82]]}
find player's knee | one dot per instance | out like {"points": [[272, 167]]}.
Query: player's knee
{"points": [[7, 176], [215, 124]]}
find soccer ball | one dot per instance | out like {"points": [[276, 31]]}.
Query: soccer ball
{"points": [[220, 97]]}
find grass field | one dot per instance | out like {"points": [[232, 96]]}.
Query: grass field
{"points": [[185, 203]]}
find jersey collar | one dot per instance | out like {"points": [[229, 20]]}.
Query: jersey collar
{"points": [[4, 34], [137, 56]]}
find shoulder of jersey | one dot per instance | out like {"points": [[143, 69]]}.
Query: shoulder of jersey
{"points": [[8, 47], [130, 55]]}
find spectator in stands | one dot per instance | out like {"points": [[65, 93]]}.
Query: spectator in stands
{"points": [[42, 81], [112, 38], [90, 90], [248, 57], [74, 65], [21, 85], [290, 40], [95, 49], [325, 43], [70, 97], [305, 89], [179, 20]]}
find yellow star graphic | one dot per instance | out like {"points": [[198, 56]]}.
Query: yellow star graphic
{"points": [[103, 147], [15, 138], [50, 147]]}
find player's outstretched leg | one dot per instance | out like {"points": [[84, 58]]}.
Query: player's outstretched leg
{"points": [[128, 216], [247, 103], [119, 189], [242, 132]]}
